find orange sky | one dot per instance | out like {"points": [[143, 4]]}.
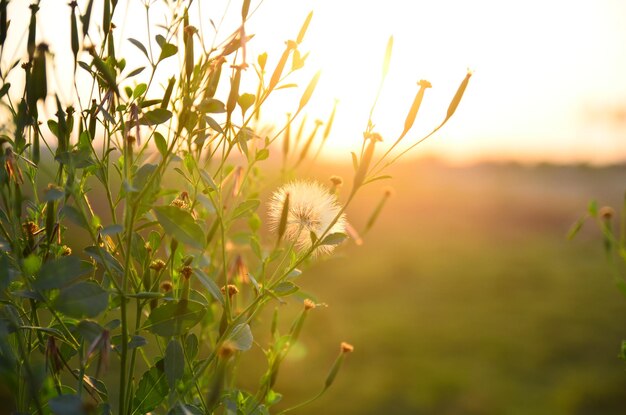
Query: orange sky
{"points": [[549, 79]]}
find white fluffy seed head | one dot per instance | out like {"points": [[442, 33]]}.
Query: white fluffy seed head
{"points": [[312, 208]]}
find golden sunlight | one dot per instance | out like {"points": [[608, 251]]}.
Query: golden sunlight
{"points": [[542, 70], [546, 73]]}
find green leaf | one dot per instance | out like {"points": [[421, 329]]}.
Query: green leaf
{"points": [[211, 105], [246, 208], [66, 405], [53, 193], [214, 125], [191, 346], [241, 337], [102, 257], [209, 284], [83, 299], [5, 89], [334, 239], [262, 154], [160, 143], [139, 46], [60, 272], [139, 90], [285, 288], [135, 72], [180, 224], [113, 229], [245, 101], [208, 180], [167, 50], [155, 117], [174, 362], [151, 391], [593, 208], [31, 264], [174, 317]]}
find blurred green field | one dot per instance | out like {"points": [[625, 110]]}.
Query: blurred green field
{"points": [[466, 298]]}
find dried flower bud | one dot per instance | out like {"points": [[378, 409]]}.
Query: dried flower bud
{"points": [[346, 347], [30, 228], [66, 250], [157, 265], [179, 203], [166, 286], [606, 212], [309, 305], [147, 247], [388, 192], [190, 30], [336, 180], [186, 271], [232, 290]]}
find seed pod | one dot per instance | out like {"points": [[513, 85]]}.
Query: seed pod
{"points": [[244, 9], [168, 92], [214, 77], [63, 135], [32, 31], [74, 32], [234, 92], [417, 102], [4, 24], [85, 18], [304, 28], [189, 31], [332, 374], [457, 97], [39, 85], [106, 18], [308, 92]]}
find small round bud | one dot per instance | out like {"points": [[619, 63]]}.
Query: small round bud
{"points": [[66, 250], [232, 290], [336, 180], [226, 350], [606, 212], [157, 265], [186, 271], [166, 286]]}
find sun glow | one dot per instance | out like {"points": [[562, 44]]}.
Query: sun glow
{"points": [[543, 84]]}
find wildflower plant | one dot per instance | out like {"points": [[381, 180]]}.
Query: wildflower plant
{"points": [[134, 259]]}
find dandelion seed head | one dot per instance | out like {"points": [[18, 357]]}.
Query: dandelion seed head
{"points": [[312, 209]]}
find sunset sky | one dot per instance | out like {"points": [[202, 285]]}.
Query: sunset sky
{"points": [[549, 76]]}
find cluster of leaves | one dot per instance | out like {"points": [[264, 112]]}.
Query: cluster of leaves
{"points": [[164, 293]]}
